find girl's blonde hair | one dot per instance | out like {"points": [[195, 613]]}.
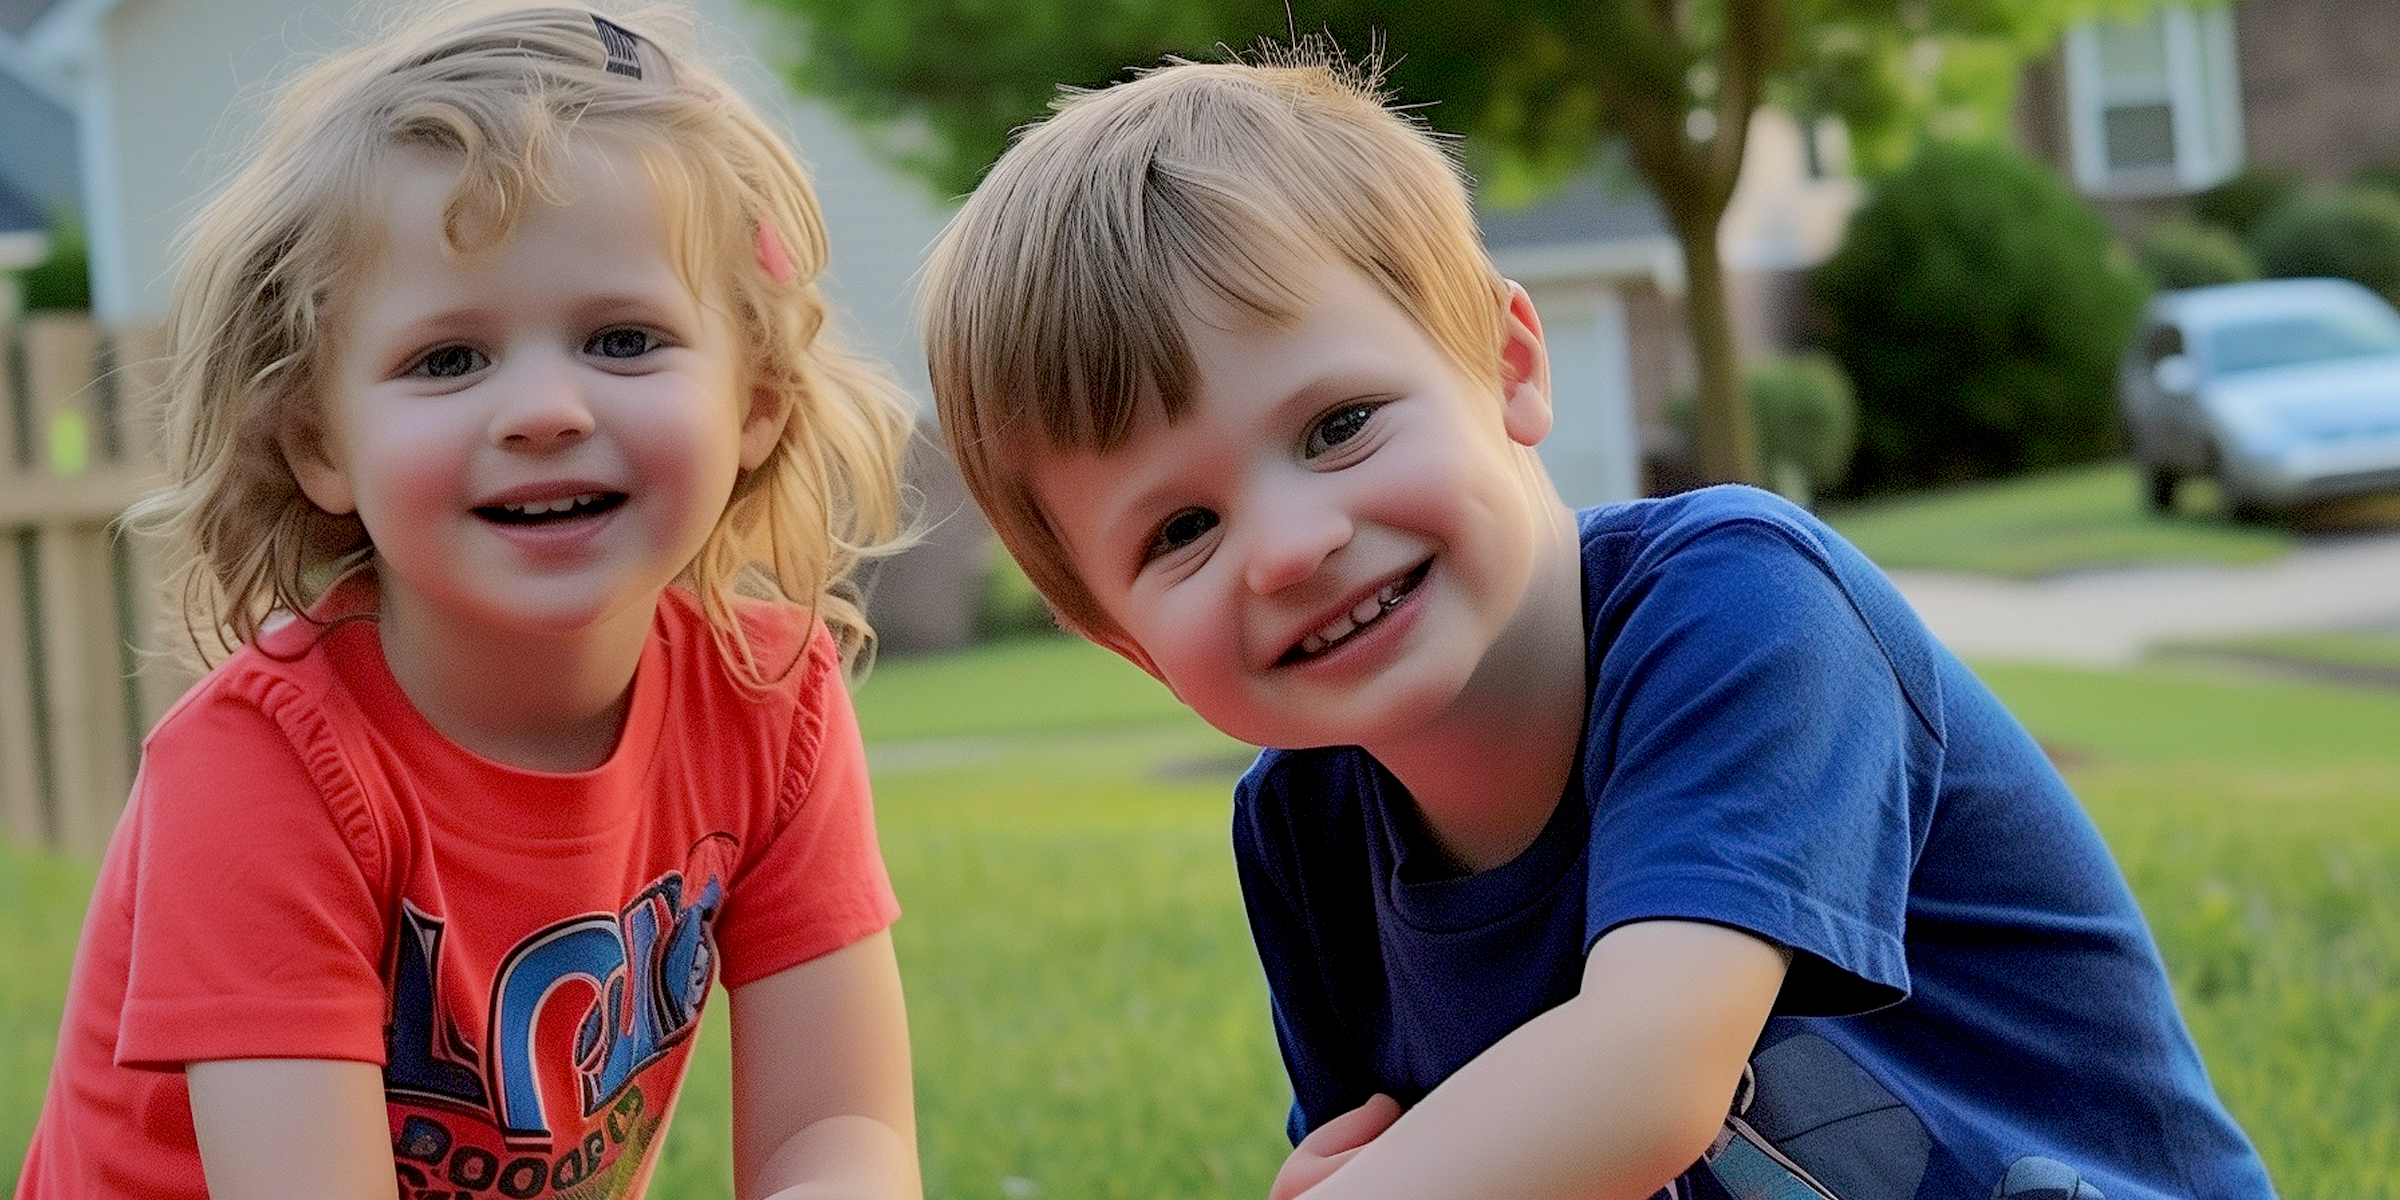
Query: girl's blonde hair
{"points": [[503, 87], [1057, 299]]}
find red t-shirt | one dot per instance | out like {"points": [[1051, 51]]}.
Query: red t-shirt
{"points": [[306, 869]]}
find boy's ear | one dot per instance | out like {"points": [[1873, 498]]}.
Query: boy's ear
{"points": [[321, 479], [1125, 649], [1524, 371]]}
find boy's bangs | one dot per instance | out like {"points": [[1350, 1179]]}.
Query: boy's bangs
{"points": [[1114, 347]]}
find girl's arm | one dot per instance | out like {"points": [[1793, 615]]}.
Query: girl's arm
{"points": [[1605, 1097], [822, 1102], [292, 1129]]}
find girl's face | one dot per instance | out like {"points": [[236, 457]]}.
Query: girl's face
{"points": [[538, 435]]}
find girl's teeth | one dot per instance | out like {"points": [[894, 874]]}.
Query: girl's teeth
{"points": [[554, 506]]}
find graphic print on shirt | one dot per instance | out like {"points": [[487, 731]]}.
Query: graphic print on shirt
{"points": [[551, 1104]]}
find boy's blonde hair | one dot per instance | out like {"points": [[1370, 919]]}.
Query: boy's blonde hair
{"points": [[1057, 298], [503, 87]]}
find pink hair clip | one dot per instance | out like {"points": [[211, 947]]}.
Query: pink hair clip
{"points": [[772, 257]]}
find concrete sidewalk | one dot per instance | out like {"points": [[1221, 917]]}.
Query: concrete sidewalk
{"points": [[2113, 616]]}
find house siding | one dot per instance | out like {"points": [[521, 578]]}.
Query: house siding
{"points": [[2316, 84]]}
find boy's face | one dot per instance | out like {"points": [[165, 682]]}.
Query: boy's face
{"points": [[1325, 549]]}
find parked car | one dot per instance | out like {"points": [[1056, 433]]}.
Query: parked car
{"points": [[2282, 390]]}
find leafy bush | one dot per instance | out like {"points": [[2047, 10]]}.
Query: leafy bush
{"points": [[2353, 233], [1978, 309], [62, 281], [2384, 173], [2183, 253], [2238, 204], [1807, 421]]}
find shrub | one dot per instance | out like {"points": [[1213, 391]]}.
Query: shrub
{"points": [[1807, 421], [1978, 309], [2183, 253], [63, 280], [2238, 204], [2384, 173], [2352, 233]]}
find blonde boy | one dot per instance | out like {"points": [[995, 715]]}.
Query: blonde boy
{"points": [[1651, 847]]}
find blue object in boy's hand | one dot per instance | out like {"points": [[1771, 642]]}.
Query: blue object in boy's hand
{"points": [[2033, 1178]]}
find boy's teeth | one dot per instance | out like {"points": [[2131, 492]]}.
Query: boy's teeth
{"points": [[1348, 623]]}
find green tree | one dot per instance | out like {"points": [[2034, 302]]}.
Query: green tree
{"points": [[1534, 85]]}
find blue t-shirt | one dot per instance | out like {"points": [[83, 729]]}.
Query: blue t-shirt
{"points": [[1775, 743]]}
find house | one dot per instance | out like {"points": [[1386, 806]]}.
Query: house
{"points": [[129, 110], [2144, 112], [1607, 277]]}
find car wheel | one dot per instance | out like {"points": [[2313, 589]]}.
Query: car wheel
{"points": [[2159, 490], [2242, 507]]}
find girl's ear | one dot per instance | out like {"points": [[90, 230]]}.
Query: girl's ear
{"points": [[762, 426], [1524, 371], [324, 481]]}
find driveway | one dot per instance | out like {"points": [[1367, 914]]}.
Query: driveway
{"points": [[2111, 617]]}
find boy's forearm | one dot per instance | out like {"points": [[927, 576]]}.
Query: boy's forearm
{"points": [[1609, 1095]]}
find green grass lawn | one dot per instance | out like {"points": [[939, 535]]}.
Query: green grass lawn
{"points": [[2044, 524], [1090, 1023]]}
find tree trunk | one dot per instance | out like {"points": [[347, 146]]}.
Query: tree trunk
{"points": [[1726, 427]]}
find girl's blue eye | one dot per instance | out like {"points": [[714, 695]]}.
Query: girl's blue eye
{"points": [[622, 343], [1181, 530], [1336, 427], [449, 362]]}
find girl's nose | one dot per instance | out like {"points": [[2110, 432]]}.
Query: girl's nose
{"points": [[1289, 541], [542, 405]]}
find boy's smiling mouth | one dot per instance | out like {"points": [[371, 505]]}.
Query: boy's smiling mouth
{"points": [[1362, 616], [563, 508]]}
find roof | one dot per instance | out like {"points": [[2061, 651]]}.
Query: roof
{"points": [[24, 236], [1599, 205], [17, 16], [37, 155], [19, 214], [1600, 226]]}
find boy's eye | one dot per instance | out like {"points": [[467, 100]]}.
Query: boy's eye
{"points": [[1336, 427], [449, 362], [1182, 530], [622, 343]]}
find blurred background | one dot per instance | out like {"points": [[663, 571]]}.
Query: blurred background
{"points": [[1929, 268]]}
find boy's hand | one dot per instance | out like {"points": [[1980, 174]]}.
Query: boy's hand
{"points": [[1331, 1144]]}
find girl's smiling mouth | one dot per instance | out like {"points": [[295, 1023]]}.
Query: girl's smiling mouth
{"points": [[1362, 616], [564, 508]]}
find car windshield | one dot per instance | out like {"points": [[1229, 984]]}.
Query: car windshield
{"points": [[2302, 337]]}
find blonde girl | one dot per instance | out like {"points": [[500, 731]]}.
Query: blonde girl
{"points": [[517, 482]]}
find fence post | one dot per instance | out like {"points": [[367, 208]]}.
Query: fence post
{"points": [[22, 808], [73, 602]]}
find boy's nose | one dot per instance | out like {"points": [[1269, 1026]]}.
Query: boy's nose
{"points": [[1289, 542], [542, 404]]}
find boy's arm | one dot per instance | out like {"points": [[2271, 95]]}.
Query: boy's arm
{"points": [[822, 1104], [1607, 1096], [292, 1129]]}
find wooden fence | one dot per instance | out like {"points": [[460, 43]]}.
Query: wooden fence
{"points": [[79, 681]]}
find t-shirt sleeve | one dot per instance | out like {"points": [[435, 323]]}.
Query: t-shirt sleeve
{"points": [[256, 929], [1766, 763], [820, 884], [1327, 1076]]}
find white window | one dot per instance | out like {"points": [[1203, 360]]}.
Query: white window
{"points": [[2153, 102]]}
